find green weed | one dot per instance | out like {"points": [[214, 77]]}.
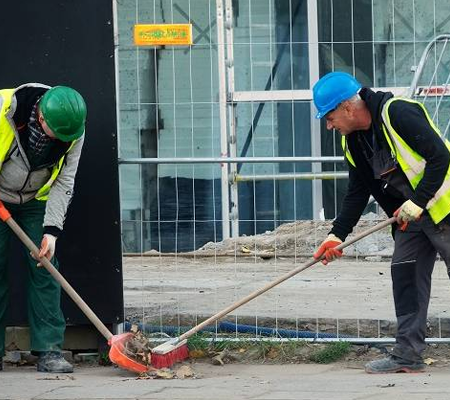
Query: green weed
{"points": [[332, 352]]}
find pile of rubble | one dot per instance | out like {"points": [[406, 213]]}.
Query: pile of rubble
{"points": [[301, 238]]}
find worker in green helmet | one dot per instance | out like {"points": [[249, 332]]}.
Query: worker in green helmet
{"points": [[41, 137]]}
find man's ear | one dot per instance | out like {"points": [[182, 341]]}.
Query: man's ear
{"points": [[348, 107], [40, 117]]}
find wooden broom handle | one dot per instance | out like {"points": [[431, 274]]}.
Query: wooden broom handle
{"points": [[281, 279], [5, 216]]}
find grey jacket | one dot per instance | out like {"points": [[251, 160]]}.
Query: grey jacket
{"points": [[18, 184]]}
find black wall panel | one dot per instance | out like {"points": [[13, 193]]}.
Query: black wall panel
{"points": [[71, 43]]}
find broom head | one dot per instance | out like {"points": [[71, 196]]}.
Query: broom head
{"points": [[169, 353]]}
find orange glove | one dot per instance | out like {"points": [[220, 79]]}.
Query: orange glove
{"points": [[327, 248]]}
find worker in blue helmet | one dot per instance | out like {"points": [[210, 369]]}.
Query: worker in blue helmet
{"points": [[396, 154]]}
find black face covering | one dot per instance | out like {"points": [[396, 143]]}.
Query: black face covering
{"points": [[38, 141]]}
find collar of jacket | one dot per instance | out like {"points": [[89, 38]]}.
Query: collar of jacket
{"points": [[375, 102]]}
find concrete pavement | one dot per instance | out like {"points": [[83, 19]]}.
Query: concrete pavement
{"points": [[157, 289], [193, 287], [232, 381]]}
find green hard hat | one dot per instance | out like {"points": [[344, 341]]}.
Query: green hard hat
{"points": [[64, 111]]}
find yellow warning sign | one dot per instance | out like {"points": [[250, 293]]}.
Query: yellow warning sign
{"points": [[162, 34]]}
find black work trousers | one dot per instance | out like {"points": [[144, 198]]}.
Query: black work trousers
{"points": [[412, 265]]}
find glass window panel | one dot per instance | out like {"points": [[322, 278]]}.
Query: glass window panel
{"points": [[384, 64], [404, 55], [425, 23], [202, 15], [204, 74], [147, 76], [131, 236], [443, 69], [362, 17], [442, 16], [382, 20], [261, 30], [166, 75], [325, 27], [275, 63], [343, 57], [364, 63], [242, 71], [181, 76], [130, 195], [404, 23], [178, 11], [168, 103], [261, 66], [326, 59], [263, 141], [342, 20]]}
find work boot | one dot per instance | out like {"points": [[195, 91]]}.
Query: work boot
{"points": [[53, 361], [392, 364]]}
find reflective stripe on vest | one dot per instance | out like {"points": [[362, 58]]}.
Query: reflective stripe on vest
{"points": [[413, 164], [7, 136], [6, 129], [346, 151], [43, 192]]}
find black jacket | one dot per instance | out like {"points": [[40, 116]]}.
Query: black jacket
{"points": [[409, 121]]}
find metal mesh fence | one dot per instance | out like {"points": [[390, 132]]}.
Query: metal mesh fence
{"points": [[179, 264]]}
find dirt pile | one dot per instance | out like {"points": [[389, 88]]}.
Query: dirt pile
{"points": [[301, 238]]}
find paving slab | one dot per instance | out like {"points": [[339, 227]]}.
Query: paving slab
{"points": [[232, 381]]}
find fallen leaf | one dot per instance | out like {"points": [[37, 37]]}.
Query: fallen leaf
{"points": [[273, 353], [197, 354], [245, 249], [144, 376], [429, 361], [387, 386], [184, 372], [219, 358], [57, 378], [164, 373]]}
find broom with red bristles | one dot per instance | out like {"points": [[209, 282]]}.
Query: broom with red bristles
{"points": [[176, 349]]}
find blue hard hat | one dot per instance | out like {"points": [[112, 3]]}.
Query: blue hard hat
{"points": [[332, 89]]}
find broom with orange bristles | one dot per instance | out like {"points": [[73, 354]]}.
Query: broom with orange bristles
{"points": [[117, 353], [176, 349]]}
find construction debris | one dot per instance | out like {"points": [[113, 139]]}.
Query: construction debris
{"points": [[296, 239], [139, 348]]}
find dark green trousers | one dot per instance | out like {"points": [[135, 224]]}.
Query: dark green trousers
{"points": [[47, 324]]}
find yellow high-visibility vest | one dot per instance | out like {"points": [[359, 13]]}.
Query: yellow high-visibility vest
{"points": [[412, 163], [7, 136]]}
